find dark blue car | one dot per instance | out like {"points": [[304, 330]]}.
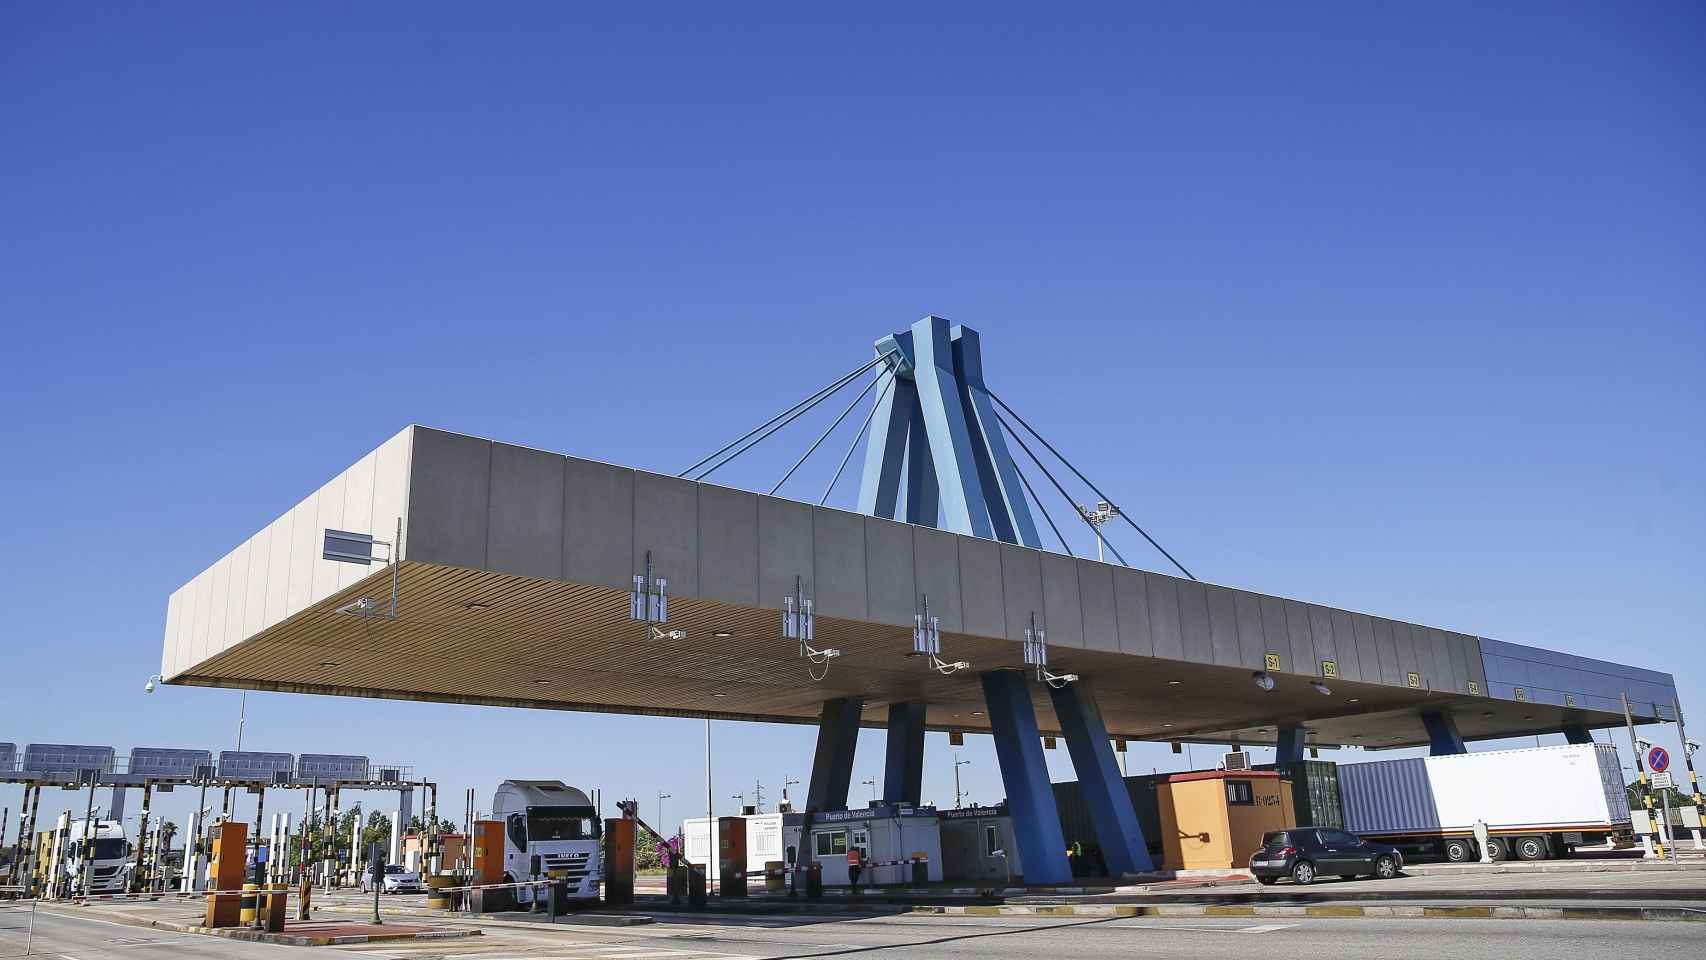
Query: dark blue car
{"points": [[1304, 853]]}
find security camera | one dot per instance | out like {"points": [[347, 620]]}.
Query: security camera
{"points": [[1691, 746], [1643, 745], [1321, 688], [1263, 680], [149, 686]]}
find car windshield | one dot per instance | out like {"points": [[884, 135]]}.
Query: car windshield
{"points": [[110, 848], [394, 868], [561, 823]]}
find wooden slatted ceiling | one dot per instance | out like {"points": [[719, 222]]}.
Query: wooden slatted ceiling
{"points": [[580, 641]]}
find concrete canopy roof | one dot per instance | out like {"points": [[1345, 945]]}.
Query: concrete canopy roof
{"points": [[516, 567]]}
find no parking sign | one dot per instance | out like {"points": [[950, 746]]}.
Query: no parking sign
{"points": [[1658, 759]]}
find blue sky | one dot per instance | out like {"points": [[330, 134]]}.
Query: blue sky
{"points": [[1393, 309]]}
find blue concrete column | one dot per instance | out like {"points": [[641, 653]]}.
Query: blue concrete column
{"points": [[832, 766], [1030, 799], [1578, 733], [1290, 748], [1442, 734], [1111, 812], [903, 772]]}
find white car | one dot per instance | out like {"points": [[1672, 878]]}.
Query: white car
{"points": [[396, 880]]}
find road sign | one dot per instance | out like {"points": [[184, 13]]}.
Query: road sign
{"points": [[1662, 781], [1658, 759]]}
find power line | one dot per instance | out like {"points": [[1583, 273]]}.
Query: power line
{"points": [[1025, 447], [834, 386], [855, 444], [825, 435], [799, 411], [1087, 483]]}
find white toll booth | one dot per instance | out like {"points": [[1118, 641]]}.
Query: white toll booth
{"points": [[887, 832], [977, 844]]}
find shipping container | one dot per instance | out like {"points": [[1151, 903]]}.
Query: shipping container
{"points": [[1537, 803]]}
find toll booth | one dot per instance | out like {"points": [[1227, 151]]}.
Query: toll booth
{"points": [[1214, 819], [888, 833], [977, 846]]}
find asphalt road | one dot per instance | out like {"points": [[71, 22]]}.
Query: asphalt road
{"points": [[1025, 938], [66, 938], [918, 936]]}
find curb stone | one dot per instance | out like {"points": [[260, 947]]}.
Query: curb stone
{"points": [[1477, 912]]}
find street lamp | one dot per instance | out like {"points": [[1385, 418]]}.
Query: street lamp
{"points": [[661, 798], [873, 785], [958, 763], [1095, 517]]}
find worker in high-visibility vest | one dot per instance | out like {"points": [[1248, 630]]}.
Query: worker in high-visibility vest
{"points": [[855, 866]]}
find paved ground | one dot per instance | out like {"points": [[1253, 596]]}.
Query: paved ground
{"points": [[998, 938], [911, 936]]}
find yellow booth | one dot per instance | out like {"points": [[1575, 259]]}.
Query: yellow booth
{"points": [[1214, 819]]}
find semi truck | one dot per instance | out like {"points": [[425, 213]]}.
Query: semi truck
{"points": [[1537, 802], [108, 853], [551, 832]]}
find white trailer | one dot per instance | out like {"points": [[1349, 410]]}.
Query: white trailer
{"points": [[1537, 802]]}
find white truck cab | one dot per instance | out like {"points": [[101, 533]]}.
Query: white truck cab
{"points": [[110, 853], [551, 831]]}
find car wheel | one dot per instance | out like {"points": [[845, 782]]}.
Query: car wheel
{"points": [[1385, 868], [1460, 851], [1267, 881], [1303, 874], [1530, 848]]}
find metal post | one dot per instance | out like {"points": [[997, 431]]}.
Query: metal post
{"points": [[139, 879], [242, 718], [29, 839], [260, 805], [89, 838], [1646, 788], [1693, 781], [435, 866], [710, 818]]}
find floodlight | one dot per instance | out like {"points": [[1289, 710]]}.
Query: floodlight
{"points": [[1321, 688], [149, 686], [1263, 680]]}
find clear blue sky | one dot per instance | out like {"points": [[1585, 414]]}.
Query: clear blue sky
{"points": [[1394, 309]]}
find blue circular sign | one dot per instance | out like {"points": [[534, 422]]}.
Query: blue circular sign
{"points": [[1658, 759]]}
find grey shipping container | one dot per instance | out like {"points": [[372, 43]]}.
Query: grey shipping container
{"points": [[1075, 823]]}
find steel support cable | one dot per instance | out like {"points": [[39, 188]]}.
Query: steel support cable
{"points": [[834, 386], [825, 435], [1046, 515], [855, 444], [1092, 486], [800, 410], [1074, 504]]}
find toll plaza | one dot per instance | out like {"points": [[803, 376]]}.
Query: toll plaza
{"points": [[322, 779], [452, 568]]}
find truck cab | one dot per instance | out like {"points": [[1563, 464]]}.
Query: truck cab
{"points": [[551, 831], [110, 853]]}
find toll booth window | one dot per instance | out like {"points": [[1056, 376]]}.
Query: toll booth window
{"points": [[831, 843], [518, 831], [1239, 792], [991, 840], [561, 823]]}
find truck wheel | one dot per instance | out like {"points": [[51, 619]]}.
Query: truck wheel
{"points": [[1303, 874], [1460, 851], [1497, 849], [1531, 848]]}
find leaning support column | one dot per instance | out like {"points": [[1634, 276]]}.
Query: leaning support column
{"points": [[1290, 748], [832, 766], [1111, 811], [903, 773], [1030, 799], [1577, 733], [1443, 737]]}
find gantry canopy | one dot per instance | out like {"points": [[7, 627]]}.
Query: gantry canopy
{"points": [[516, 566]]}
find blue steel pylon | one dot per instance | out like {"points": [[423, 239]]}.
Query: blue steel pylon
{"points": [[938, 423]]}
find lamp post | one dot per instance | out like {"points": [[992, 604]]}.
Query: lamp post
{"points": [[873, 785], [958, 763], [661, 798], [1095, 517]]}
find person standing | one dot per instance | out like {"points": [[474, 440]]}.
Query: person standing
{"points": [[1482, 840], [855, 866]]}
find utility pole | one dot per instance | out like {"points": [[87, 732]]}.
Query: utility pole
{"points": [[786, 783], [1095, 517], [958, 763], [242, 718], [757, 796], [661, 798]]}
